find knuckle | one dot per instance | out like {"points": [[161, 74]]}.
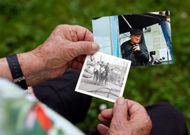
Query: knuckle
{"points": [[149, 123], [147, 126], [61, 26], [78, 26]]}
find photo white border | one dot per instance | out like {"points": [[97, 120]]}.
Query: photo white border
{"points": [[98, 96]]}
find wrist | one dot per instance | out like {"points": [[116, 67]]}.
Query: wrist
{"points": [[31, 66], [4, 69]]}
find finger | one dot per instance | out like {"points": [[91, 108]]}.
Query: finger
{"points": [[136, 111], [73, 35], [104, 120], [84, 48], [120, 108], [74, 32], [107, 114], [81, 58], [88, 36], [76, 65], [83, 34], [120, 114], [139, 117], [102, 129], [134, 106], [66, 31]]}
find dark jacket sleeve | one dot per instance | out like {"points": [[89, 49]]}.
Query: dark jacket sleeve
{"points": [[143, 55], [123, 52], [126, 53], [59, 95]]}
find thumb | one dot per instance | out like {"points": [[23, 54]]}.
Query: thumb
{"points": [[85, 48], [120, 113], [102, 129]]}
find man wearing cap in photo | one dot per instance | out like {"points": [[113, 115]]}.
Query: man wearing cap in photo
{"points": [[135, 49]]}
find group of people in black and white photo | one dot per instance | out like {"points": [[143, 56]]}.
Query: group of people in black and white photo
{"points": [[101, 71]]}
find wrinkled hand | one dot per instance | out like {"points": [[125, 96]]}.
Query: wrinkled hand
{"points": [[126, 118], [65, 48]]}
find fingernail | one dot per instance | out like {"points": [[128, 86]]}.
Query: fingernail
{"points": [[95, 46], [120, 101]]}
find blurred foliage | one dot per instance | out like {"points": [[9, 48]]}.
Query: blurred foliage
{"points": [[26, 24]]}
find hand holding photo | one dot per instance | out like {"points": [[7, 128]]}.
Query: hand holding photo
{"points": [[103, 76]]}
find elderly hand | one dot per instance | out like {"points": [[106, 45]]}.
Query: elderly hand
{"points": [[126, 118], [65, 48]]}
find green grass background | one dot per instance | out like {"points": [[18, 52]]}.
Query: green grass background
{"points": [[25, 24]]}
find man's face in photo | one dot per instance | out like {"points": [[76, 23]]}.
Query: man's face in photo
{"points": [[135, 39]]}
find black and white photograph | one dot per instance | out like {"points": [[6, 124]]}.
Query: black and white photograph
{"points": [[103, 76], [144, 39]]}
